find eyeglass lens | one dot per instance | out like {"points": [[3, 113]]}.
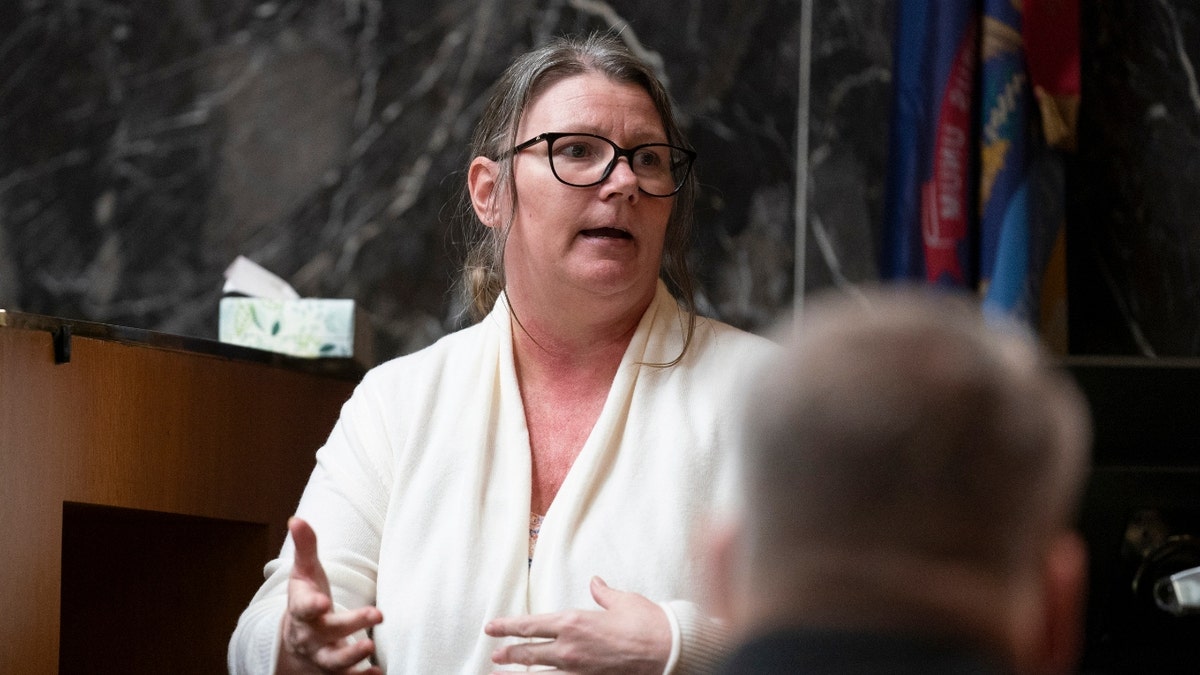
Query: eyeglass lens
{"points": [[582, 161]]}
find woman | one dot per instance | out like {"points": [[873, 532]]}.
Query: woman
{"points": [[583, 414]]}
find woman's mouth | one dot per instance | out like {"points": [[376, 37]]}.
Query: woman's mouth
{"points": [[607, 232]]}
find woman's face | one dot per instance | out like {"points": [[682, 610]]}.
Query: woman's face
{"points": [[606, 239]]}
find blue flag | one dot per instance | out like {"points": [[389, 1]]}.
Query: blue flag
{"points": [[929, 211], [1006, 105]]}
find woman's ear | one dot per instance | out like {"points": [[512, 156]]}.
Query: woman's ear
{"points": [[482, 183]]}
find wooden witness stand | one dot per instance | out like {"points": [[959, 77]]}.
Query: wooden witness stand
{"points": [[144, 482]]}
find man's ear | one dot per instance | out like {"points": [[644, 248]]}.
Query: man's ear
{"points": [[482, 183], [1065, 586], [720, 564]]}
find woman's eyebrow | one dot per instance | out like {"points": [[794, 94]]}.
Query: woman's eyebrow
{"points": [[639, 136]]}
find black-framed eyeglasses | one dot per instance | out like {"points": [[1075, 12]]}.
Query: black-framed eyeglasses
{"points": [[584, 160]]}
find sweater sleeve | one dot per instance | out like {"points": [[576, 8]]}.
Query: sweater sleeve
{"points": [[254, 648], [699, 643], [344, 502]]}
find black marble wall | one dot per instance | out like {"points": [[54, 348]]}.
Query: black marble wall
{"points": [[1135, 225], [849, 103], [146, 143]]}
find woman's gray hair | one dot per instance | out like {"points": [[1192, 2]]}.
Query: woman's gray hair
{"points": [[496, 134]]}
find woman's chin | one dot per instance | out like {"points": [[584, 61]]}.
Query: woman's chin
{"points": [[611, 280]]}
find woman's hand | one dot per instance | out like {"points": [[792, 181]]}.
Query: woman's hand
{"points": [[630, 634], [314, 636]]}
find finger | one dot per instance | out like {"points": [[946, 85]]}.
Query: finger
{"points": [[331, 629], [307, 602], [341, 624], [603, 594], [530, 625], [343, 657], [528, 654]]}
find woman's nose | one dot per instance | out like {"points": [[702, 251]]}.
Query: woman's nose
{"points": [[622, 178]]}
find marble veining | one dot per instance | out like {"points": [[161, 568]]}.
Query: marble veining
{"points": [[1134, 240], [848, 117], [145, 145]]}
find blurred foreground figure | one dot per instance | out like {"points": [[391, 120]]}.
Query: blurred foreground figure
{"points": [[909, 485]]}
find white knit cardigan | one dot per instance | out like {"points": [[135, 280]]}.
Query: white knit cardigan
{"points": [[420, 497]]}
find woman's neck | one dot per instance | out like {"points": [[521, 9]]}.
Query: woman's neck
{"points": [[566, 362], [588, 334], [551, 351]]}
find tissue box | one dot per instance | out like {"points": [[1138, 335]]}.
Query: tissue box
{"points": [[305, 327]]}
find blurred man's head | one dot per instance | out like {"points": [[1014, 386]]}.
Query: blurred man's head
{"points": [[909, 468]]}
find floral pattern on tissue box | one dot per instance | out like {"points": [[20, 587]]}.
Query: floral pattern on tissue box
{"points": [[307, 327]]}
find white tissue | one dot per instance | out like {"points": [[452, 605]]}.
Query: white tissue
{"points": [[249, 278]]}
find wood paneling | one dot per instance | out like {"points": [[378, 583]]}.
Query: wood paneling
{"points": [[144, 428]]}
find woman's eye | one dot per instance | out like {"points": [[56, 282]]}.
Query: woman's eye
{"points": [[648, 158], [575, 150]]}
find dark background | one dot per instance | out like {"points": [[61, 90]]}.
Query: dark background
{"points": [[145, 144]]}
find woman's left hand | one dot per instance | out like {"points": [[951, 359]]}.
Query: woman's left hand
{"points": [[630, 634]]}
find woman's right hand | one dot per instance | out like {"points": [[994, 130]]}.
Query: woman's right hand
{"points": [[314, 636]]}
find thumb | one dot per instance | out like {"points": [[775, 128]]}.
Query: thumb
{"points": [[305, 540], [603, 594], [306, 564], [308, 588]]}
